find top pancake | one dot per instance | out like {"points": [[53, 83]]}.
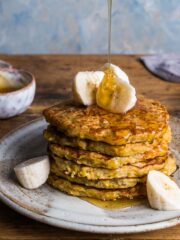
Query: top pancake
{"points": [[146, 121]]}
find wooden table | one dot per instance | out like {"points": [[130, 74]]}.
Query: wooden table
{"points": [[54, 74]]}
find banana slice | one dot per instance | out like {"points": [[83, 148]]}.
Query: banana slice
{"points": [[117, 71], [115, 95], [33, 172], [163, 193], [85, 86]]}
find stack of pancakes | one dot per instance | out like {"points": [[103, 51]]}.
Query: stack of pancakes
{"points": [[99, 154]]}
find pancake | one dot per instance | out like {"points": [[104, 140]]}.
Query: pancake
{"points": [[127, 171], [115, 183], [102, 194], [94, 159], [52, 135], [144, 122]]}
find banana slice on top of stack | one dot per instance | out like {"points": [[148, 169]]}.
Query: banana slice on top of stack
{"points": [[110, 89], [85, 86]]}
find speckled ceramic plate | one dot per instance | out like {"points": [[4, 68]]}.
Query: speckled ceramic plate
{"points": [[55, 208]]}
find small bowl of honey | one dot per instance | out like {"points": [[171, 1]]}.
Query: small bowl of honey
{"points": [[17, 91]]}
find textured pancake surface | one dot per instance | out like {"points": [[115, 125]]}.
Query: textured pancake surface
{"points": [[94, 159], [52, 135], [127, 171], [115, 183], [146, 121], [103, 194]]}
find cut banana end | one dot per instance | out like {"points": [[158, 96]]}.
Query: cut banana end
{"points": [[115, 95], [118, 72], [163, 193], [33, 172], [85, 86]]}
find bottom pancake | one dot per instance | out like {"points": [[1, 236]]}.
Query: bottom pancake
{"points": [[103, 194], [116, 183]]}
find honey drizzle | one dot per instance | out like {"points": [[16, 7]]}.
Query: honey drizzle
{"points": [[117, 204], [109, 29]]}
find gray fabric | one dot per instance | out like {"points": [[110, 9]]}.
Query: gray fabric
{"points": [[165, 66]]}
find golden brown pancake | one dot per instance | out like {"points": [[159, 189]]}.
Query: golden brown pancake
{"points": [[115, 183], [146, 121], [52, 135], [103, 194], [94, 159], [127, 171]]}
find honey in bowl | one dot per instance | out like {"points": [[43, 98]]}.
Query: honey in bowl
{"points": [[8, 89], [7, 84]]}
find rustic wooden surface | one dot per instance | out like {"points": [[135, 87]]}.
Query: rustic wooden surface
{"points": [[54, 76]]}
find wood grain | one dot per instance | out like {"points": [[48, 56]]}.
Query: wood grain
{"points": [[54, 74]]}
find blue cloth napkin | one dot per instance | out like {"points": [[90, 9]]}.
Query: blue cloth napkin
{"points": [[165, 66]]}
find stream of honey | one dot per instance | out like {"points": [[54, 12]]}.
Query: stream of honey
{"points": [[109, 29]]}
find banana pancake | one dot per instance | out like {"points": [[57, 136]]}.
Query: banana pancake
{"points": [[127, 171], [94, 159], [52, 135], [115, 183], [103, 194], [147, 120]]}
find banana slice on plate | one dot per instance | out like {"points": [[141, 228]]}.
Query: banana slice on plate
{"points": [[114, 94], [85, 86], [163, 193], [33, 172], [118, 72]]}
